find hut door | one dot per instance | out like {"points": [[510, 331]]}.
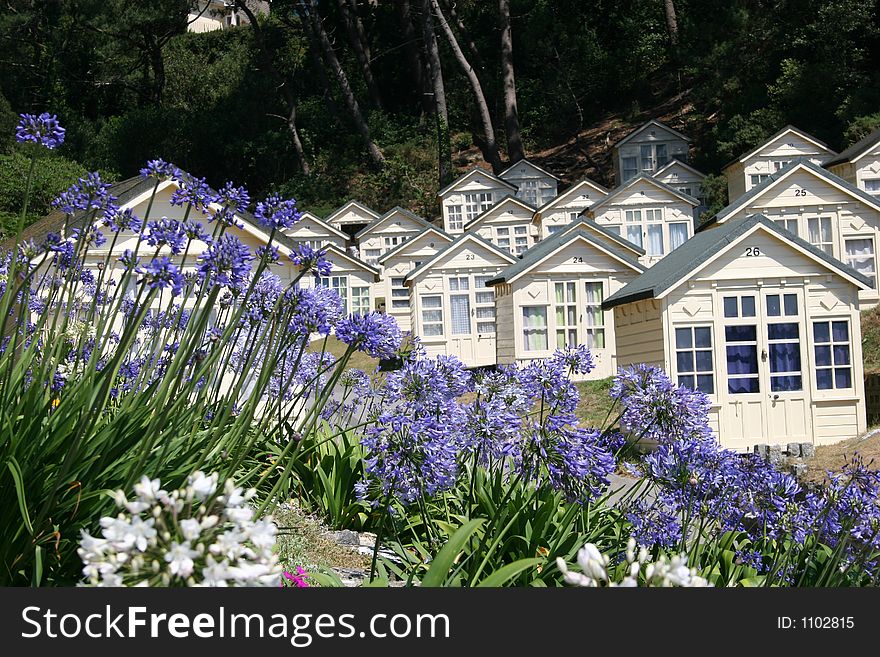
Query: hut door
{"points": [[461, 319], [786, 401], [743, 410]]}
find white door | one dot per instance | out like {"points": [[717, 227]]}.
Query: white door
{"points": [[787, 400], [484, 315], [462, 332], [743, 410]]}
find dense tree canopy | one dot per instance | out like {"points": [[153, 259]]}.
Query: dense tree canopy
{"points": [[328, 99]]}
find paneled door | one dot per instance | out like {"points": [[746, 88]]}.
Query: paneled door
{"points": [[460, 319], [787, 400], [740, 340]]}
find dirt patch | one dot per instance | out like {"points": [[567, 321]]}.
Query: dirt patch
{"points": [[304, 541], [834, 457]]}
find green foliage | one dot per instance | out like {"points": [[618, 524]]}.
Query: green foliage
{"points": [[861, 127], [715, 189]]}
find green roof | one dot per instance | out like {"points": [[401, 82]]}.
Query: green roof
{"points": [[676, 266], [547, 246], [759, 189]]}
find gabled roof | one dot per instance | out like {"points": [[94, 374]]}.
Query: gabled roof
{"points": [[546, 248], [369, 228], [564, 196], [676, 162], [330, 248], [476, 171], [130, 192], [529, 163], [676, 267], [797, 164], [442, 234], [308, 216], [620, 191], [856, 151], [507, 199], [653, 122], [344, 208], [460, 240], [789, 128]]}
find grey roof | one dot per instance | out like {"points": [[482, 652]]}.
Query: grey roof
{"points": [[408, 241], [779, 133], [416, 218], [530, 163], [545, 247], [506, 254], [480, 170], [506, 197], [330, 248], [759, 189], [570, 188], [645, 125], [632, 181], [856, 150], [591, 223], [676, 266], [679, 162]]}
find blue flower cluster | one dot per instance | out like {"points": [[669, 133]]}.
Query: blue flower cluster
{"points": [[43, 130]]}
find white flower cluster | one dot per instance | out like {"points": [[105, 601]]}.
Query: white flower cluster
{"points": [[662, 573], [200, 535]]}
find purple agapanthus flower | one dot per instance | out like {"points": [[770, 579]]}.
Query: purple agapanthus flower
{"points": [[311, 260], [43, 130], [160, 169], [226, 262], [167, 232], [161, 273], [118, 220], [88, 193], [277, 213], [376, 334]]}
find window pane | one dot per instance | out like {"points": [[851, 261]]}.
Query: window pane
{"points": [[704, 361], [741, 333], [742, 386], [686, 380], [787, 331], [742, 359], [634, 234], [433, 329], [706, 383], [841, 354], [678, 234], [703, 336], [840, 331], [824, 379], [485, 297], [821, 332], [823, 355], [785, 357], [460, 310], [730, 307], [431, 302], [790, 301], [683, 338], [655, 240], [432, 315], [685, 361], [842, 377], [785, 383], [748, 306], [773, 308]]}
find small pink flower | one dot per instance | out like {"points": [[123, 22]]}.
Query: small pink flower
{"points": [[298, 580]]}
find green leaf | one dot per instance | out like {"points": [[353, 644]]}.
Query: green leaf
{"points": [[436, 575], [14, 468], [506, 573]]}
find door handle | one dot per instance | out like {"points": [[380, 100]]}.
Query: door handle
{"points": [[773, 397], [763, 355]]}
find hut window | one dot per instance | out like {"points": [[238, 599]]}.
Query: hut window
{"points": [[485, 305], [459, 283], [371, 256], [432, 315], [502, 238], [399, 293], [554, 229], [521, 239], [832, 347], [860, 256], [460, 311], [573, 216], [783, 343], [633, 220], [758, 178], [693, 357], [534, 328], [338, 284], [742, 358], [566, 314], [360, 300], [872, 186], [455, 221], [790, 224], [819, 231], [630, 167], [678, 234], [686, 190], [594, 316], [653, 156], [393, 241], [529, 192], [477, 204], [743, 306]]}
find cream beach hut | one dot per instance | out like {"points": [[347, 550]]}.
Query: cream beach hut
{"points": [[757, 165], [453, 312], [470, 195], [386, 232], [683, 177], [393, 293], [566, 208], [316, 232], [351, 278], [825, 210], [352, 214], [648, 213], [859, 164], [552, 297], [508, 225], [763, 322], [647, 149], [535, 185]]}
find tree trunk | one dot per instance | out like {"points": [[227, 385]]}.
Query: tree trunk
{"points": [[284, 86], [490, 152], [511, 118], [320, 41], [414, 59], [671, 22], [449, 8], [358, 40], [441, 114]]}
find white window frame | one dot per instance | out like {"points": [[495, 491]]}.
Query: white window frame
{"points": [[692, 350], [360, 299], [338, 284], [595, 335], [429, 325], [822, 244], [565, 306], [484, 305], [477, 203], [830, 344], [456, 221], [399, 293], [852, 259], [529, 328]]}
